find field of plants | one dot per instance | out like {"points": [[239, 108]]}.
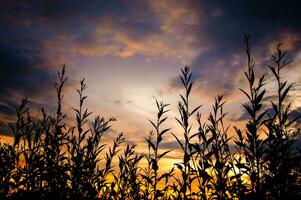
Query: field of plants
{"points": [[51, 159]]}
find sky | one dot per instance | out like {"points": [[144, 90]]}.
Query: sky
{"points": [[130, 53]]}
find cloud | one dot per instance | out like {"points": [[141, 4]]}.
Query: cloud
{"points": [[21, 74], [219, 69], [147, 28], [24, 72], [170, 145], [41, 35]]}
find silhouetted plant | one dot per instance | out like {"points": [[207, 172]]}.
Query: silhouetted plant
{"points": [[17, 130], [201, 159], [221, 155], [280, 155], [127, 183], [252, 145], [8, 168], [81, 158], [240, 185], [153, 157], [53, 159], [54, 143], [185, 114]]}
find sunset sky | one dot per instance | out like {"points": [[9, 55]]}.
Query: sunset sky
{"points": [[131, 53]]}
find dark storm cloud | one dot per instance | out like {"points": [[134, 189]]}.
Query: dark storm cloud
{"points": [[20, 75], [20, 71], [19, 68], [267, 21], [263, 19], [78, 18], [218, 73]]}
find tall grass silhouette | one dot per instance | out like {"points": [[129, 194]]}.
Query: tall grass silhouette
{"points": [[53, 159]]}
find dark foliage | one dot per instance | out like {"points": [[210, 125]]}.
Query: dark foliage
{"points": [[55, 159]]}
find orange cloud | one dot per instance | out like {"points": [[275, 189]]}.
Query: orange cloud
{"points": [[178, 36]]}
